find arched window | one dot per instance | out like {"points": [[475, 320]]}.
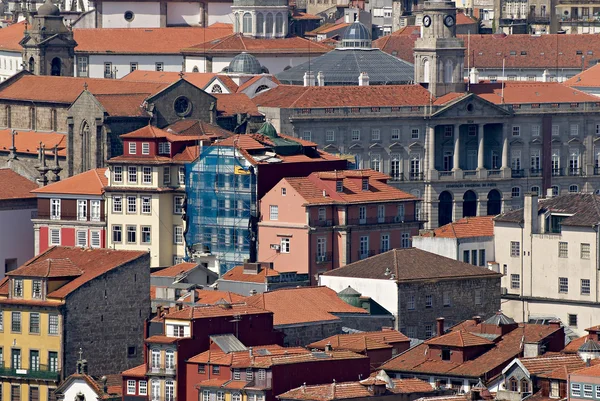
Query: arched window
{"points": [[247, 23], [195, 69], [469, 204], [155, 390], [261, 88], [31, 64], [279, 23], [55, 67], [555, 190], [260, 23], [448, 71], [574, 189], [269, 25], [85, 146], [236, 22], [445, 208], [426, 71], [535, 190], [494, 203], [516, 192], [216, 89], [513, 384]]}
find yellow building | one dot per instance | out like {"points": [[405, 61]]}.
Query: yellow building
{"points": [[45, 309]]}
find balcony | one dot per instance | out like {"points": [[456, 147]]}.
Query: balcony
{"points": [[365, 254], [415, 176], [538, 19], [397, 176], [42, 372], [557, 172], [161, 371], [535, 172], [383, 220], [321, 223], [494, 173], [517, 173], [597, 170], [323, 258], [575, 172]]}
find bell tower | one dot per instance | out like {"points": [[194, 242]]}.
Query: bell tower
{"points": [[48, 45], [439, 54]]}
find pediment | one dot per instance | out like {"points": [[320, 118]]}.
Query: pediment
{"points": [[330, 148], [536, 141], [471, 107], [574, 141], [355, 146], [597, 139], [516, 142], [376, 146], [396, 146], [556, 141], [415, 145]]}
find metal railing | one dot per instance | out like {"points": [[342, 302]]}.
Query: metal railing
{"points": [[492, 173], [321, 223], [40, 372], [416, 176], [366, 254], [535, 172], [324, 257], [557, 172], [597, 170], [383, 220], [517, 173], [575, 171]]}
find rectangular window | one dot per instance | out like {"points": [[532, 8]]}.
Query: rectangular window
{"points": [[147, 175], [554, 389], [428, 301], [164, 148], [81, 236], [322, 214], [34, 323], [414, 133], [515, 281], [535, 130], [563, 249], [159, 66], [131, 204], [330, 136], [15, 392], [181, 176], [205, 395], [306, 135], [395, 134], [362, 214], [108, 70], [262, 374], [117, 234], [82, 66], [588, 391], [178, 235], [428, 331], [572, 320], [364, 247], [118, 173], [585, 251], [516, 130], [249, 375], [132, 174], [131, 387], [131, 234], [236, 374], [117, 204], [82, 210], [220, 396], [574, 129], [36, 289], [474, 257], [466, 256], [555, 130], [405, 240], [355, 136], [16, 322], [53, 361], [285, 245], [515, 249], [95, 239], [216, 369], [95, 210], [563, 285], [17, 288], [273, 212], [585, 286], [166, 175], [410, 302], [132, 148], [53, 324], [384, 243], [146, 234], [478, 297], [482, 257], [446, 298], [133, 67], [143, 388], [145, 148], [375, 135], [178, 205], [34, 392], [55, 209], [146, 206]]}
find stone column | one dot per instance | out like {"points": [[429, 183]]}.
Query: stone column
{"points": [[456, 157], [504, 146], [431, 147], [480, 151], [253, 24]]}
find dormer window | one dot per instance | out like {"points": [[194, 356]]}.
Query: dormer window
{"points": [[145, 148], [446, 355], [18, 288], [339, 186], [132, 148], [365, 184], [164, 148], [36, 289]]}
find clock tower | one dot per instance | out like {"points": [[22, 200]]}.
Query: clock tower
{"points": [[439, 54]]}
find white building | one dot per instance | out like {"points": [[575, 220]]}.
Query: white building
{"points": [[470, 239], [548, 253]]}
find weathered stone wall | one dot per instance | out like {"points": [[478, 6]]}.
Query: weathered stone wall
{"points": [[306, 334], [367, 322], [106, 316]]}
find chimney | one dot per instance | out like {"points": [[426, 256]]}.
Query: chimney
{"points": [[530, 214], [546, 76], [474, 76], [363, 79], [477, 319], [554, 323], [250, 352], [549, 193], [440, 326], [321, 78], [252, 268], [328, 347], [309, 78]]}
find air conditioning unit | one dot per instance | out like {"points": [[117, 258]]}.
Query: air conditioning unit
{"points": [[276, 247]]}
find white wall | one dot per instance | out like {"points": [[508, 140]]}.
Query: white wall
{"points": [[440, 246], [477, 244], [121, 62], [80, 386], [220, 12], [147, 15], [16, 236], [384, 292], [10, 64], [183, 13]]}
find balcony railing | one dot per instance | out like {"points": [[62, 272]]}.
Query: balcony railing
{"points": [[416, 176], [161, 370], [366, 254], [518, 173], [383, 220], [557, 172], [597, 170], [321, 223], [398, 176], [40, 372], [575, 171], [535, 172], [324, 257], [494, 173]]}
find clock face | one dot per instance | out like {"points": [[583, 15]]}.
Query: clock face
{"points": [[427, 21], [449, 21]]}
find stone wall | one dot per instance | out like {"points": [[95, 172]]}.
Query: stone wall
{"points": [[366, 322], [105, 317], [308, 333], [47, 117]]}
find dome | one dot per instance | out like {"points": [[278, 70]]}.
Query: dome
{"points": [[245, 63], [590, 346], [356, 35], [48, 8]]}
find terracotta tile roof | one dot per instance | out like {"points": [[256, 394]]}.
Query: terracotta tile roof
{"points": [[212, 297], [530, 92], [328, 27], [160, 339], [508, 347], [201, 312], [588, 371], [237, 274], [144, 40], [254, 79], [237, 43], [28, 142], [198, 79], [349, 390], [66, 89], [11, 36], [303, 305], [314, 357], [212, 383], [463, 19], [50, 268], [447, 98], [299, 15], [246, 142], [410, 264], [547, 364], [311, 188], [585, 210], [355, 341], [199, 128], [152, 132], [91, 182], [175, 270], [467, 227], [235, 103], [219, 357], [589, 78], [293, 96], [92, 262], [460, 339], [574, 345], [519, 51], [15, 186], [138, 371], [124, 104]]}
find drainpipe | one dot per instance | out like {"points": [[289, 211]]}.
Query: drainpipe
{"points": [[522, 250]]}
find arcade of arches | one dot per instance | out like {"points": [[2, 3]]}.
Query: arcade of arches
{"points": [[451, 207]]}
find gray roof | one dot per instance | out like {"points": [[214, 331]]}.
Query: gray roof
{"points": [[590, 346], [349, 291], [245, 63], [356, 35], [499, 319], [228, 343], [343, 66]]}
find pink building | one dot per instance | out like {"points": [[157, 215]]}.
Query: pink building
{"points": [[329, 219]]}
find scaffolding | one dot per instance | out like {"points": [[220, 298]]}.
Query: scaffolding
{"points": [[221, 214]]}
